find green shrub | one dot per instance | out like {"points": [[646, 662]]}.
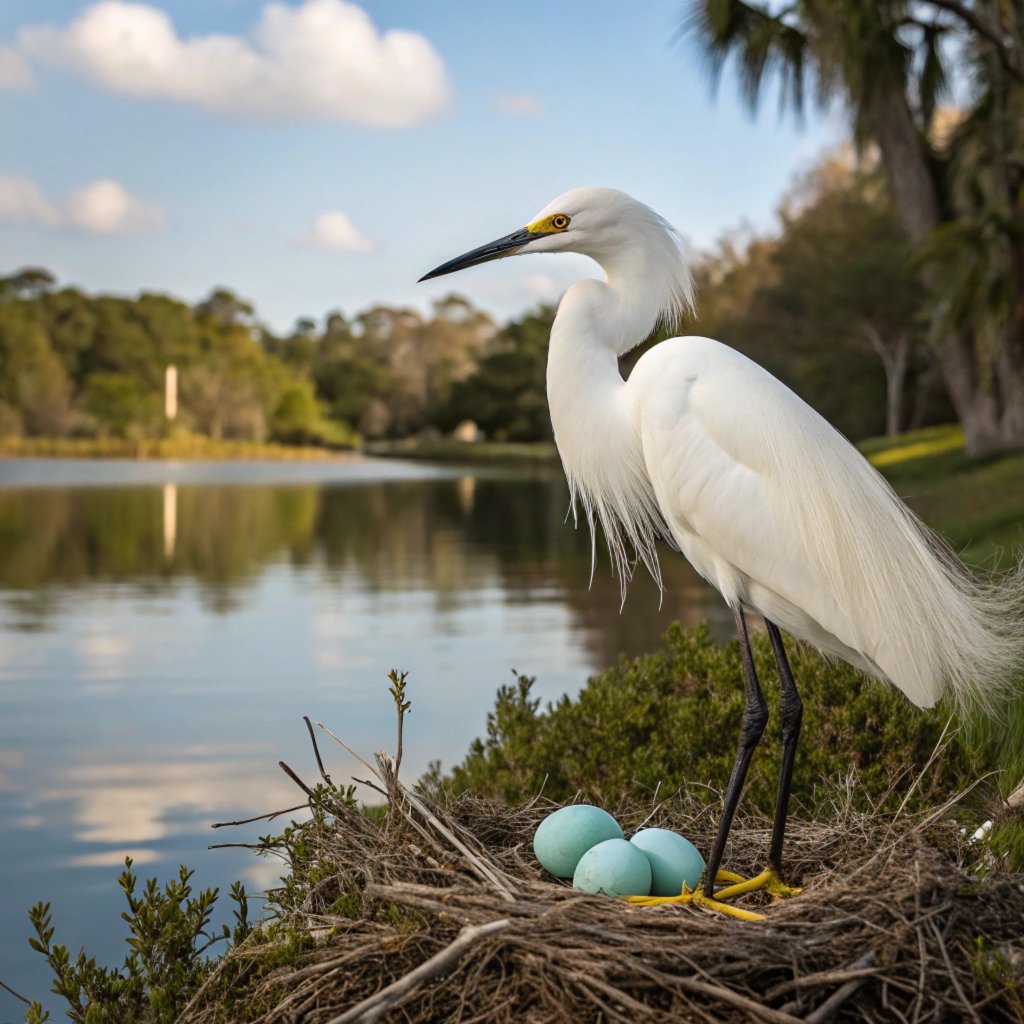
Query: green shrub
{"points": [[673, 717], [168, 938], [122, 405]]}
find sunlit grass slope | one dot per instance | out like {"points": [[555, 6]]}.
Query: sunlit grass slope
{"points": [[977, 504]]}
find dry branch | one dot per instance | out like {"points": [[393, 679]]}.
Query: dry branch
{"points": [[372, 1008]]}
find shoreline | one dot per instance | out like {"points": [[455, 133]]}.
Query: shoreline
{"points": [[204, 449]]}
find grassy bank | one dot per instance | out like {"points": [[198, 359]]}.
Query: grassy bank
{"points": [[189, 446], [466, 453], [976, 504]]}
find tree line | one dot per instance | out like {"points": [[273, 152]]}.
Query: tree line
{"points": [[830, 301]]}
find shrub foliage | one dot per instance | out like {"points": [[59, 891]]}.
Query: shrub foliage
{"points": [[673, 718]]}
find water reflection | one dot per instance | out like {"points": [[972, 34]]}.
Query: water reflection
{"points": [[449, 536], [161, 638]]}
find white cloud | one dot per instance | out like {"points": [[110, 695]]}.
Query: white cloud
{"points": [[323, 59], [333, 229], [15, 74], [543, 286], [520, 104], [104, 207], [22, 201]]}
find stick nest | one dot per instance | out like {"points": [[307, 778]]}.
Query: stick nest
{"points": [[438, 911]]}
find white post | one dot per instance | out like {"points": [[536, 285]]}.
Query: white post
{"points": [[171, 392]]}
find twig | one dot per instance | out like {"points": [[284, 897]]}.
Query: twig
{"points": [[474, 858], [952, 974], [547, 776], [923, 967], [654, 809], [260, 817], [859, 969], [940, 746], [952, 801], [316, 751], [366, 764], [370, 785], [1015, 801], [298, 782], [17, 995], [841, 994], [726, 995], [375, 1006], [397, 691], [259, 847]]}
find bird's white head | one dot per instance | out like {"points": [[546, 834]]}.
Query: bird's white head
{"points": [[637, 249]]}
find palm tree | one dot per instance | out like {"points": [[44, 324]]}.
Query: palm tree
{"points": [[958, 194]]}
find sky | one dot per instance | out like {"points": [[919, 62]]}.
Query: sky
{"points": [[315, 155]]}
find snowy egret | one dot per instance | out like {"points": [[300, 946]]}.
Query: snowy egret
{"points": [[704, 449]]}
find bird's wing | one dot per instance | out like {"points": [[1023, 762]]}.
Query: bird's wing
{"points": [[713, 426]]}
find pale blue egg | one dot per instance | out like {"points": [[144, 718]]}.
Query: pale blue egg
{"points": [[615, 868], [565, 835], [674, 860]]}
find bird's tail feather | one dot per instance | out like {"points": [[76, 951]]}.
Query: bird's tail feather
{"points": [[932, 626]]}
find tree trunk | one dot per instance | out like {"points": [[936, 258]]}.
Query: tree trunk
{"points": [[911, 184], [991, 413], [895, 362]]}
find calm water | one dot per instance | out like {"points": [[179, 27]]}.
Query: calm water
{"points": [[163, 628]]}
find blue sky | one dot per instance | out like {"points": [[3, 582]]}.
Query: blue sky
{"points": [[313, 164]]}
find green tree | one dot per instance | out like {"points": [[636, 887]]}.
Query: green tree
{"points": [[123, 406], [887, 61], [34, 386], [506, 394], [830, 304], [27, 283]]}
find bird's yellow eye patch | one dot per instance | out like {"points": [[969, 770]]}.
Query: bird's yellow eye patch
{"points": [[549, 225]]}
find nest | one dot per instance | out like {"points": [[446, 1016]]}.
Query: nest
{"points": [[437, 911]]}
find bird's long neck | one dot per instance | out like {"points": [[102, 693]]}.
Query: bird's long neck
{"points": [[595, 433], [597, 322]]}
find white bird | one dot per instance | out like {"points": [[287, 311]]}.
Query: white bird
{"points": [[705, 449]]}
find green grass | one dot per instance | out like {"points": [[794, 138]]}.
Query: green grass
{"points": [[976, 504], [482, 452], [182, 446]]}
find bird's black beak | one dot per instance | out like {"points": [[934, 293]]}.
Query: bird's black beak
{"points": [[507, 246]]}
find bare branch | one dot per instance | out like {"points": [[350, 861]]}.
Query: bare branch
{"points": [[372, 1009]]}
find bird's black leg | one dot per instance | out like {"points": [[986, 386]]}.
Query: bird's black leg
{"points": [[791, 714], [755, 717]]}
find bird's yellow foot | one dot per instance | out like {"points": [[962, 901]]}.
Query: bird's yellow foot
{"points": [[767, 881], [698, 899], [736, 885]]}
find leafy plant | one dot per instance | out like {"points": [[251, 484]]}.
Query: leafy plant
{"points": [[672, 718], [169, 935]]}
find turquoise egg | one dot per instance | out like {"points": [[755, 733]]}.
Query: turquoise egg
{"points": [[565, 835], [674, 860], [615, 868]]}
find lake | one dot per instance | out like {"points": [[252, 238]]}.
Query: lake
{"points": [[165, 626]]}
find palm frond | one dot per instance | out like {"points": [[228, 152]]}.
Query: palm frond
{"points": [[761, 42]]}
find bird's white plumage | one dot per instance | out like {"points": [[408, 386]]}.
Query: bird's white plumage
{"points": [[770, 503]]}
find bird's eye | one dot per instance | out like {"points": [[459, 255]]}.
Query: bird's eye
{"points": [[560, 222]]}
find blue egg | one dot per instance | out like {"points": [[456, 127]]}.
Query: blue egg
{"points": [[674, 860], [564, 836], [615, 868]]}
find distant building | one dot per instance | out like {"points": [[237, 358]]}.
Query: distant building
{"points": [[467, 430]]}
